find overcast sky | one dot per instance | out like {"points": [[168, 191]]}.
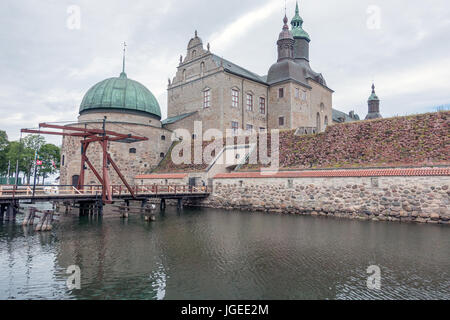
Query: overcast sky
{"points": [[48, 63]]}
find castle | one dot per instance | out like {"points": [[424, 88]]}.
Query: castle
{"points": [[224, 95], [211, 90]]}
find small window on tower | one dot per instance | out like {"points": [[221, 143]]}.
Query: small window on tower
{"points": [[132, 150], [163, 138], [281, 121], [297, 92], [161, 154], [281, 93]]}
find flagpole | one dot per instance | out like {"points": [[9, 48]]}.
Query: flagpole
{"points": [[35, 169], [9, 169]]}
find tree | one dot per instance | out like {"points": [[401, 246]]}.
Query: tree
{"points": [[49, 154], [31, 143], [3, 145]]}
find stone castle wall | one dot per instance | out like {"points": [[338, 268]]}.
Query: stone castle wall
{"points": [[406, 199]]}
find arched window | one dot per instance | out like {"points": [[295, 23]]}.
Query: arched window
{"points": [[194, 53], [161, 154], [326, 121], [163, 137], [184, 75], [202, 69], [132, 150], [318, 122], [322, 107]]}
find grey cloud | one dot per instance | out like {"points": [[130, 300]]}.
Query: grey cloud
{"points": [[46, 68]]}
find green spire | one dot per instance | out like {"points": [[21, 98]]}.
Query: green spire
{"points": [[297, 26], [373, 96]]}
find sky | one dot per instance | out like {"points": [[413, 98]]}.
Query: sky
{"points": [[53, 51]]}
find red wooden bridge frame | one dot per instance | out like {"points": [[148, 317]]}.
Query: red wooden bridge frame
{"points": [[89, 136]]}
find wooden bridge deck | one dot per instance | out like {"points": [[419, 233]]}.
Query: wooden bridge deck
{"points": [[93, 192]]}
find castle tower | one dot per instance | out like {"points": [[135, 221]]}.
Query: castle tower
{"points": [[301, 37], [374, 106], [285, 42]]}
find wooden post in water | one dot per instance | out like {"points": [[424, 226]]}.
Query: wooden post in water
{"points": [[32, 216], [47, 224], [27, 216], [180, 204], [11, 212], [41, 222], [2, 211], [149, 215], [162, 205]]}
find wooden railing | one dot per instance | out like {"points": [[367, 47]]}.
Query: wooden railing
{"points": [[8, 191]]}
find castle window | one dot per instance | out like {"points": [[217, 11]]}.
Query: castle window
{"points": [[202, 69], [322, 107], [235, 127], [304, 95], [281, 121], [184, 75], [163, 138], [249, 127], [249, 102], [207, 98], [63, 158], [234, 98], [262, 129], [262, 105], [326, 121], [161, 154], [281, 93], [318, 122], [132, 150], [297, 92], [194, 53]]}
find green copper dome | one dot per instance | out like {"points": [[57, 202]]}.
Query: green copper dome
{"points": [[297, 26], [121, 94], [373, 96]]}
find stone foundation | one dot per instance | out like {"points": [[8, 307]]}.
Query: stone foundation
{"points": [[424, 199]]}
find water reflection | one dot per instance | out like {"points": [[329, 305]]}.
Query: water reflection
{"points": [[215, 254]]}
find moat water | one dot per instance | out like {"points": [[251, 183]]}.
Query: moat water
{"points": [[217, 254]]}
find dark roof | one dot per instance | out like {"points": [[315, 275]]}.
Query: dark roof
{"points": [[235, 69], [339, 115], [177, 118]]}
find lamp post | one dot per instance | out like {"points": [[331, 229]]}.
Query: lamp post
{"points": [[35, 170]]}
